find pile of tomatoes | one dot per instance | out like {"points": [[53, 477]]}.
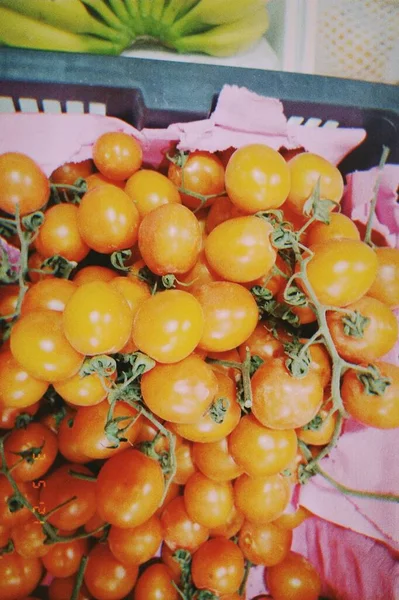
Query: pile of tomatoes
{"points": [[212, 325]]}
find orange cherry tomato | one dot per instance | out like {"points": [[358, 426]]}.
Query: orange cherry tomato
{"points": [[117, 155], [240, 249], [168, 326], [136, 545], [155, 583], [320, 432], [257, 178], [94, 273], [269, 495], [60, 234], [375, 410], [10, 517], [97, 319], [230, 314], [129, 489], [180, 392], [134, 291], [34, 436], [185, 466], [85, 390], [341, 271], [264, 544], [61, 588], [48, 356], [49, 294], [22, 183], [214, 460], [63, 559], [97, 179], [179, 531], [218, 566], [386, 285], [170, 239], [108, 220], [19, 576], [28, 539], [18, 389], [281, 401], [209, 427], [71, 171], [376, 338], [202, 173], [199, 274], [150, 189], [339, 227], [295, 578], [231, 527], [35, 262], [8, 299], [306, 170], [260, 450], [9, 417], [208, 502], [262, 343], [291, 520]]}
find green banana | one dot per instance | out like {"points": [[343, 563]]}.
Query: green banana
{"points": [[70, 15], [21, 31], [105, 13], [120, 10], [157, 10], [135, 20], [226, 40], [214, 12], [176, 9]]}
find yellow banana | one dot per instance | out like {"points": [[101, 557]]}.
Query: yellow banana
{"points": [[214, 12], [176, 9], [136, 22], [21, 31], [70, 15], [226, 40]]}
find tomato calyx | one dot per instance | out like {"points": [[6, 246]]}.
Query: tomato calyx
{"points": [[7, 549], [118, 260], [186, 588], [218, 409], [273, 310], [29, 455], [66, 192], [372, 381]]}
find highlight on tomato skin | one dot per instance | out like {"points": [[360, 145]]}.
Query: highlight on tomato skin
{"points": [[200, 342]]}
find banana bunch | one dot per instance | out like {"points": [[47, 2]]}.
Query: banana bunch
{"points": [[216, 27]]}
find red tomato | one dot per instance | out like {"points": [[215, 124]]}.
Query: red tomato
{"points": [[48, 356], [11, 518], [215, 461], [180, 392], [129, 489], [18, 389], [379, 335], [218, 566], [134, 546], [281, 401], [63, 559], [61, 486], [22, 183], [155, 583], [19, 576], [240, 249], [108, 220], [117, 155], [106, 577], [60, 234], [28, 539], [264, 544], [34, 436], [230, 314], [49, 294], [69, 442], [97, 319], [168, 326], [10, 416], [179, 531], [306, 169], [257, 178], [269, 495], [206, 428], [61, 589], [373, 409], [386, 285], [185, 466], [260, 450], [203, 173], [341, 271], [170, 239], [294, 578], [150, 189]]}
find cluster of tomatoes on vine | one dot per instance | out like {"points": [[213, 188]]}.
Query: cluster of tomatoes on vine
{"points": [[175, 343]]}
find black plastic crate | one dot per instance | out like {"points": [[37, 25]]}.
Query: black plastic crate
{"points": [[155, 93]]}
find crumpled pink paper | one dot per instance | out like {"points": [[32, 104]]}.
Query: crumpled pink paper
{"points": [[354, 567]]}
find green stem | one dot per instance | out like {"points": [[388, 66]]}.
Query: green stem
{"points": [[357, 493], [247, 570], [56, 508], [79, 578], [373, 203], [82, 476]]}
